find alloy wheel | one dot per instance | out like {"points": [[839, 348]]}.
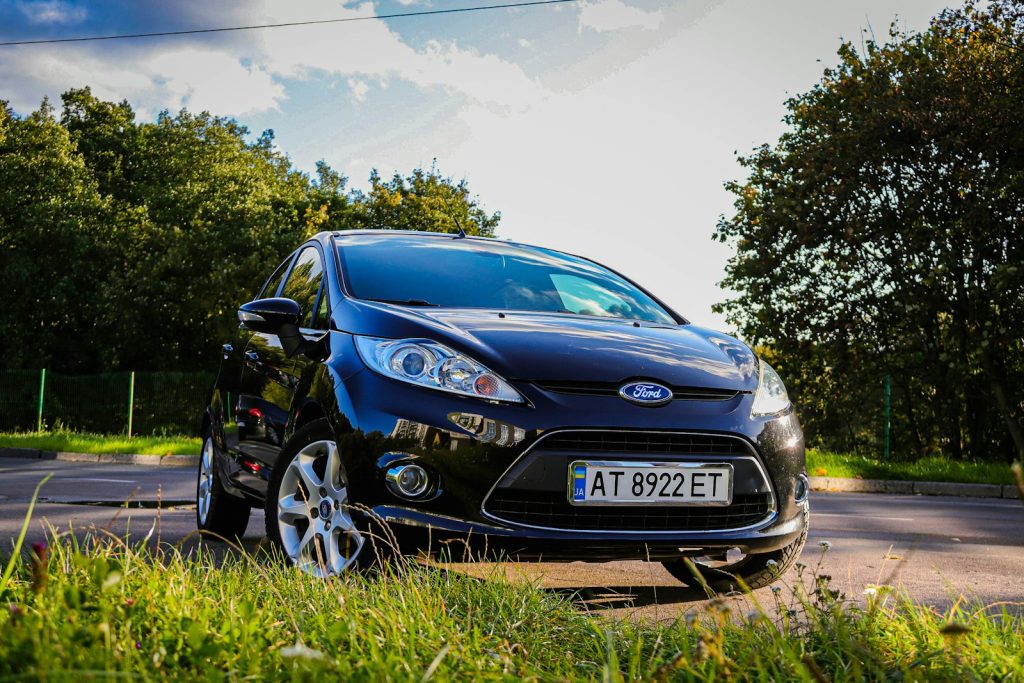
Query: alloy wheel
{"points": [[313, 516], [204, 492]]}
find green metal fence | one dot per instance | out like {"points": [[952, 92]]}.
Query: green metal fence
{"points": [[110, 403]]}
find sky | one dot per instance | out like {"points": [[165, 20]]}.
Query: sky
{"points": [[605, 128]]}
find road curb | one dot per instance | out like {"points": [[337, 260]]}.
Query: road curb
{"points": [[861, 485], [923, 488], [105, 458]]}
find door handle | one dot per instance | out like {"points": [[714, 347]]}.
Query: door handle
{"points": [[253, 356], [227, 349]]}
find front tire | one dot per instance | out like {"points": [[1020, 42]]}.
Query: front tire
{"points": [[755, 571], [309, 512], [218, 513]]}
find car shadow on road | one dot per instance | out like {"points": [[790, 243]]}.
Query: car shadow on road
{"points": [[624, 597]]}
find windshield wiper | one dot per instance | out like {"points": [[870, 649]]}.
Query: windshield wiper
{"points": [[404, 302]]}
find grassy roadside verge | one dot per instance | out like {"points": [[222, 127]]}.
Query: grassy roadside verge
{"points": [[845, 465], [101, 609], [84, 442]]}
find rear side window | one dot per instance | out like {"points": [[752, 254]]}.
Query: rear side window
{"points": [[304, 282], [270, 289]]}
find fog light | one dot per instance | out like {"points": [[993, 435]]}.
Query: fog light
{"points": [[408, 481], [801, 488]]}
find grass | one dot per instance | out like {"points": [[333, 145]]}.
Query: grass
{"points": [[100, 608], [828, 464], [84, 442]]}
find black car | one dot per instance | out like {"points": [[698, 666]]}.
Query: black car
{"points": [[480, 396]]}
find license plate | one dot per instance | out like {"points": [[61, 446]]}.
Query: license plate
{"points": [[649, 483]]}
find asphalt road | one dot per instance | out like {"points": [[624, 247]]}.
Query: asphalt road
{"points": [[936, 548]]}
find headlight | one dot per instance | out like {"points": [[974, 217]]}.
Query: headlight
{"points": [[771, 396], [429, 364]]}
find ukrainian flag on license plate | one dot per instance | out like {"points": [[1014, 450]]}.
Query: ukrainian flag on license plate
{"points": [[579, 482]]}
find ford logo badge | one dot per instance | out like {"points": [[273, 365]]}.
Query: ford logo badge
{"points": [[646, 393]]}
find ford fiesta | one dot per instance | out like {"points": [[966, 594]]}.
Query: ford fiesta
{"points": [[482, 396]]}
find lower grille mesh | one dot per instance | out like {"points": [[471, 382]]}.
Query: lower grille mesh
{"points": [[552, 510]]}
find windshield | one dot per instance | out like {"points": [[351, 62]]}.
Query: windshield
{"points": [[463, 273]]}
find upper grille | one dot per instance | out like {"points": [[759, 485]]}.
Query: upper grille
{"points": [[608, 389], [551, 509], [644, 442]]}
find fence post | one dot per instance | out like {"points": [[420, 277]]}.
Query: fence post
{"points": [[42, 389], [888, 412], [131, 402]]}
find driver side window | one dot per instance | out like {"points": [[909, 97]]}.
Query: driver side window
{"points": [[270, 289], [303, 283]]}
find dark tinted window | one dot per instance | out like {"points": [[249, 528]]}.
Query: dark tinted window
{"points": [[304, 282], [270, 289], [494, 275], [322, 310]]}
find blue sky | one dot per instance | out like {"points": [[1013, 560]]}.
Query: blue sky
{"points": [[603, 127]]}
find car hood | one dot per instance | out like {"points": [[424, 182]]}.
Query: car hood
{"points": [[552, 346]]}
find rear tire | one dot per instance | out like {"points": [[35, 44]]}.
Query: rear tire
{"points": [[219, 515], [756, 571]]}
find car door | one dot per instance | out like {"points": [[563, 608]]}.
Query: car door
{"points": [[270, 377], [314, 326], [248, 432]]}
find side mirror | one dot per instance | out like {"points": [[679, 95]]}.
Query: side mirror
{"points": [[270, 316]]}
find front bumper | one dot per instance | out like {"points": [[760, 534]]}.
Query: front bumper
{"points": [[421, 532], [482, 456]]}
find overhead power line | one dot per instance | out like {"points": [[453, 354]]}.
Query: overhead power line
{"points": [[225, 29]]}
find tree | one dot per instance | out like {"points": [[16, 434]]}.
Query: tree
{"points": [[425, 200], [53, 245], [882, 234], [104, 133], [219, 213]]}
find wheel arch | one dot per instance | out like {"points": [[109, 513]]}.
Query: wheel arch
{"points": [[328, 400], [310, 411]]}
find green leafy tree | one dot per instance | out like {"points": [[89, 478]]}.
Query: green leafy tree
{"points": [[882, 235], [219, 213], [425, 200], [53, 244], [105, 134], [331, 205]]}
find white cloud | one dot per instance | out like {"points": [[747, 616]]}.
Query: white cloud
{"points": [[247, 73], [52, 12], [371, 50], [524, 43], [205, 79], [612, 15], [197, 78], [359, 89]]}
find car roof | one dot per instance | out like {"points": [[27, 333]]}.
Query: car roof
{"points": [[428, 234]]}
